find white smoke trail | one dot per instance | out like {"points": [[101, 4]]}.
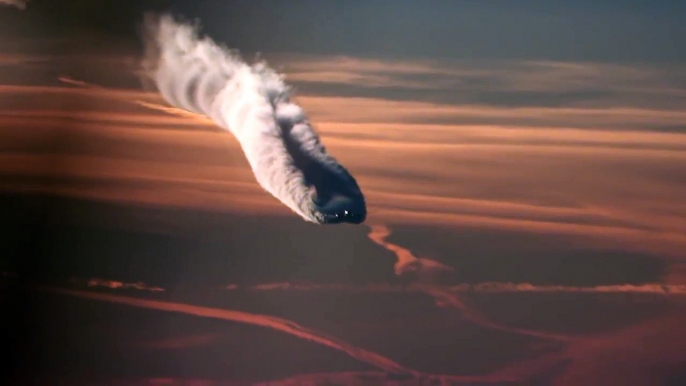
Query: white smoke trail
{"points": [[254, 104], [20, 4]]}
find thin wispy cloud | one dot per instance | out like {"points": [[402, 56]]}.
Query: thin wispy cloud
{"points": [[19, 4], [491, 287], [117, 285], [627, 356], [376, 110], [271, 322], [482, 174], [407, 263], [364, 110], [521, 82], [427, 272]]}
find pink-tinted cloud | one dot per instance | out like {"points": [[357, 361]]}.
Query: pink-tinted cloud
{"points": [[115, 284], [489, 287], [594, 174], [427, 269], [467, 165], [278, 324], [631, 356], [407, 263], [378, 378], [20, 4], [609, 84]]}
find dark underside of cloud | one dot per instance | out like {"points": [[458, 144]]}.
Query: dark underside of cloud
{"points": [[74, 239]]}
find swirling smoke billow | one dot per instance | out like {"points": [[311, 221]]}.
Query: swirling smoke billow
{"points": [[254, 104]]}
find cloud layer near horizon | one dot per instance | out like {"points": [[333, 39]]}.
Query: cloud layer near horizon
{"points": [[20, 4], [606, 172]]}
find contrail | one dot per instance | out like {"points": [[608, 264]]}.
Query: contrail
{"points": [[116, 284], [487, 287], [450, 299], [80, 83], [254, 104], [274, 323], [408, 263]]}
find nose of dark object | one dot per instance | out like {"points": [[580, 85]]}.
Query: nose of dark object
{"points": [[348, 216], [344, 209]]}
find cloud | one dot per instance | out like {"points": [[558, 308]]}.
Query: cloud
{"points": [[490, 287], [407, 263], [601, 176], [20, 4], [496, 166], [496, 82], [630, 356], [124, 94], [377, 110], [428, 271], [115, 284], [271, 322]]}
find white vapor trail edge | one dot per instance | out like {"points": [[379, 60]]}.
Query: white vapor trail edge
{"points": [[20, 4], [254, 104]]}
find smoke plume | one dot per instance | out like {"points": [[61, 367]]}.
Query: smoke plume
{"points": [[254, 104]]}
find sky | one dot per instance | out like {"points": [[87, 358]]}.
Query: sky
{"points": [[504, 150], [608, 31]]}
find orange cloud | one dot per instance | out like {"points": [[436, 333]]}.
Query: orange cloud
{"points": [[76, 91], [271, 322], [406, 262], [603, 172], [613, 84], [535, 169], [491, 287], [115, 284], [630, 356], [360, 109]]}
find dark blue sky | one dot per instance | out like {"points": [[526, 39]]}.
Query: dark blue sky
{"points": [[613, 31]]}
